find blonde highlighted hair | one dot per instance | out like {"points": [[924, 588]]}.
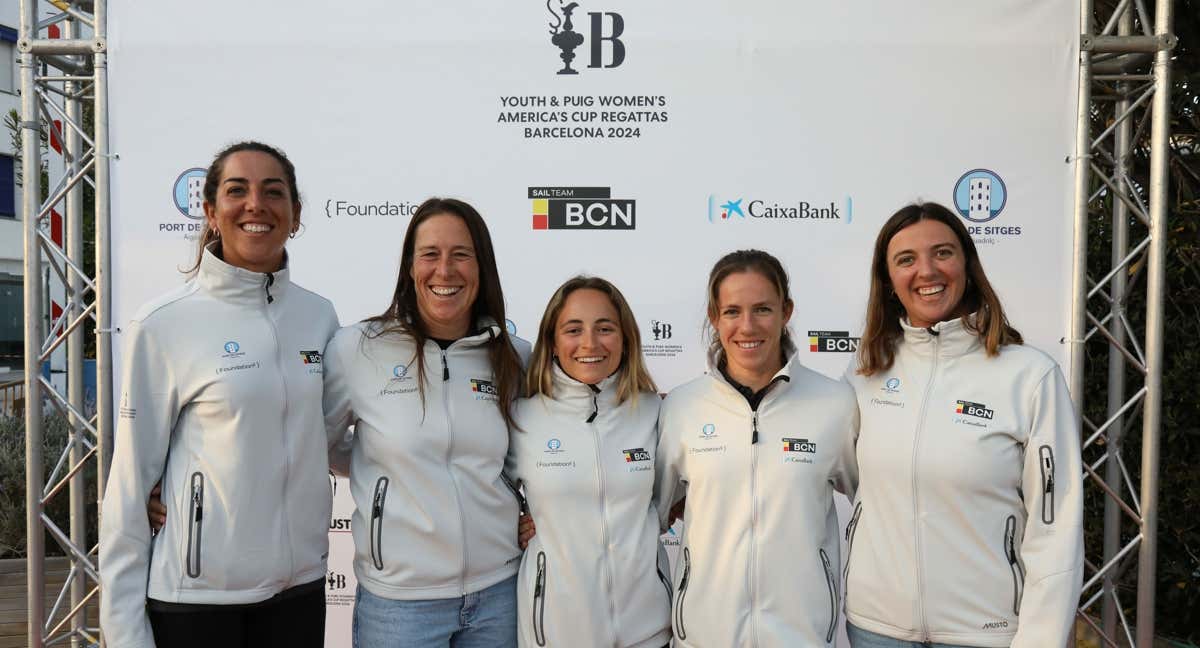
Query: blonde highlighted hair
{"points": [[634, 378]]}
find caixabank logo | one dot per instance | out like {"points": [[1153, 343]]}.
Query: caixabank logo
{"points": [[739, 209], [980, 196], [581, 208], [832, 342], [603, 31]]}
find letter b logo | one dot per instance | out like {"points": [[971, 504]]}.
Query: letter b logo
{"points": [[614, 37]]}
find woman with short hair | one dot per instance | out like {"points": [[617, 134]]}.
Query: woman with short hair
{"points": [[967, 527]]}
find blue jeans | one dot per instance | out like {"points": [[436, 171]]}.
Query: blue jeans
{"points": [[860, 638], [483, 619]]}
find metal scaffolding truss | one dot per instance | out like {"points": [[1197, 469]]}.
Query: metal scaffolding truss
{"points": [[63, 76], [1125, 87], [1124, 84]]}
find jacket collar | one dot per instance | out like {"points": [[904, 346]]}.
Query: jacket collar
{"points": [[580, 398], [946, 339], [783, 375], [238, 285]]}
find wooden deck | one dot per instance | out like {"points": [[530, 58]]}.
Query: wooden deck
{"points": [[13, 592]]}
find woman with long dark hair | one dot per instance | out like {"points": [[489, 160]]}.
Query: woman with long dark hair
{"points": [[758, 445], [967, 526], [428, 386], [221, 401]]}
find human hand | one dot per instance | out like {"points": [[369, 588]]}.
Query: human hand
{"points": [[156, 512], [526, 529]]}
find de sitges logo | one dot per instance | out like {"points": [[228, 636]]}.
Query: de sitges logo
{"points": [[188, 193], [980, 196]]}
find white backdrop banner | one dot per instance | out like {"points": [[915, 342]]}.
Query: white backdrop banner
{"points": [[638, 140]]}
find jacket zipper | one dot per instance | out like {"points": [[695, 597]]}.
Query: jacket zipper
{"points": [[462, 518], [915, 488], [832, 594], [287, 454], [1014, 565], [381, 486], [851, 531], [753, 563], [662, 577], [1046, 454], [607, 558], [539, 601], [195, 525], [683, 585]]}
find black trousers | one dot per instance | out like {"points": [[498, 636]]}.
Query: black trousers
{"points": [[294, 618]]}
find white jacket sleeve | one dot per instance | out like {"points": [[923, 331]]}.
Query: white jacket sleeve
{"points": [[335, 401], [148, 410], [845, 469], [1052, 547], [669, 488]]}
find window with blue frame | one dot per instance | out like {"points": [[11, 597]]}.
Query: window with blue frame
{"points": [[8, 188]]}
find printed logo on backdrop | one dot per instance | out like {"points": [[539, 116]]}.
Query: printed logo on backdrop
{"points": [[603, 29], [832, 342], [980, 195], [338, 592], [581, 208], [583, 41], [656, 344], [187, 194], [723, 209], [354, 208]]}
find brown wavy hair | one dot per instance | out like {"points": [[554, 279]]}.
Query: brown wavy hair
{"points": [[883, 332], [634, 377], [402, 316]]}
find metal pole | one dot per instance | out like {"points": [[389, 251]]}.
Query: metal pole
{"points": [[31, 197], [103, 276], [72, 151], [1082, 157], [1116, 360], [1155, 293]]}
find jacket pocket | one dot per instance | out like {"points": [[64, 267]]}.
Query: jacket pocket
{"points": [[539, 601], [832, 594], [851, 531], [1046, 457], [680, 631], [195, 525], [381, 486], [1014, 565]]}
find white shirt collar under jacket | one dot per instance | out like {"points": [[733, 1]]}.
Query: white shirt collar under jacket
{"points": [[236, 285], [582, 399], [952, 338]]}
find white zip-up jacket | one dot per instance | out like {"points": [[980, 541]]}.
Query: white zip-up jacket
{"points": [[595, 574], [968, 524], [758, 561], [221, 400], [433, 517]]}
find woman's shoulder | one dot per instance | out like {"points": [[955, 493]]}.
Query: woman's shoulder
{"points": [[164, 305]]}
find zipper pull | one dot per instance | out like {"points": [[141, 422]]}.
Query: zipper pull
{"points": [[199, 516], [445, 368], [754, 436], [377, 506], [270, 280], [595, 404]]}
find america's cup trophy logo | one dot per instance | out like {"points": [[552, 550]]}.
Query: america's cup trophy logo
{"points": [[567, 39]]}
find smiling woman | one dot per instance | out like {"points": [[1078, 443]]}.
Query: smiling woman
{"points": [[221, 404], [434, 523]]}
